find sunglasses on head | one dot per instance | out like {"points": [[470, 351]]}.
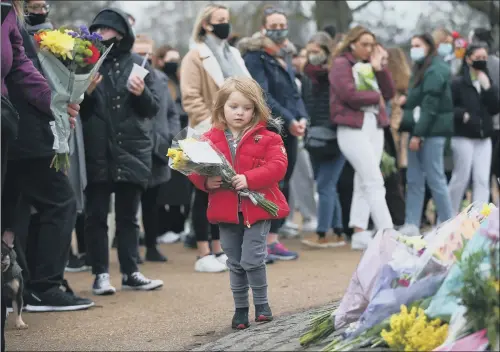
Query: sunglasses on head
{"points": [[273, 10]]}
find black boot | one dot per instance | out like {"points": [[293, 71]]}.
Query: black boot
{"points": [[240, 319], [154, 255], [263, 313]]}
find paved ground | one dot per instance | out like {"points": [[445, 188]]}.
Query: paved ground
{"points": [[191, 310]]}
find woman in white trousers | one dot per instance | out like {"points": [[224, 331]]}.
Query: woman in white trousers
{"points": [[361, 117], [475, 101]]}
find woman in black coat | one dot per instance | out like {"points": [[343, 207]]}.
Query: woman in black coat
{"points": [[174, 195], [475, 101]]}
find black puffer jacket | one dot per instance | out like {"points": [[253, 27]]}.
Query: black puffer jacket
{"points": [[317, 100], [117, 125], [480, 106]]}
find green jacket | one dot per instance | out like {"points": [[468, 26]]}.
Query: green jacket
{"points": [[433, 95]]}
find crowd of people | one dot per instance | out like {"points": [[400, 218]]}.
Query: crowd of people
{"points": [[438, 104]]}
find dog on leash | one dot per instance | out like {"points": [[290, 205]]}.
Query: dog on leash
{"points": [[12, 279]]}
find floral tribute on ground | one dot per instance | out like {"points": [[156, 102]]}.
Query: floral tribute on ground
{"points": [[192, 154], [438, 292], [69, 59]]}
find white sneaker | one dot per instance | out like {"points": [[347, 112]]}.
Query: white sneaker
{"points": [[361, 240], [168, 237], [222, 258], [409, 230], [102, 285], [291, 225], [309, 225], [209, 264], [289, 232]]}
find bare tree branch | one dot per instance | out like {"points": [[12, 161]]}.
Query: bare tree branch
{"points": [[488, 8], [362, 6]]}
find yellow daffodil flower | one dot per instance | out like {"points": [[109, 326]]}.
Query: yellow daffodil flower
{"points": [[59, 44], [411, 331], [486, 210]]}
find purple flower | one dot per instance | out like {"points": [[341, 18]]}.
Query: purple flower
{"points": [[84, 29], [73, 34]]}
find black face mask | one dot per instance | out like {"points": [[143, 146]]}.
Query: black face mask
{"points": [[170, 68], [35, 19], [107, 43], [479, 65], [221, 30]]}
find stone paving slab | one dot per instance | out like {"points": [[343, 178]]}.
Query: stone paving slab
{"points": [[282, 334]]}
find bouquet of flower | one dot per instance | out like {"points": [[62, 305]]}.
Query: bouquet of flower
{"points": [[364, 77], [69, 60], [193, 154], [388, 165]]}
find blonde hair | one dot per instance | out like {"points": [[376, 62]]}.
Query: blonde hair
{"points": [[146, 40], [18, 6], [398, 66], [439, 35], [204, 17], [250, 90], [351, 37]]}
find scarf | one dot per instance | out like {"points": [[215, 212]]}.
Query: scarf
{"points": [[316, 73], [222, 53], [33, 29]]}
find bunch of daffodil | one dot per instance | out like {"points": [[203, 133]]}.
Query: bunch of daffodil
{"points": [[486, 210], [177, 156], [412, 331], [58, 43]]}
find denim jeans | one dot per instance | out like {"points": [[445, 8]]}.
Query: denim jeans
{"points": [[427, 165], [327, 174]]}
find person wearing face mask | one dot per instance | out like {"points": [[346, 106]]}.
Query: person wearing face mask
{"points": [[166, 125], [29, 179], [176, 194], [428, 117], [117, 115], [361, 118], [268, 56], [475, 101], [203, 70], [484, 36], [444, 43], [326, 159]]}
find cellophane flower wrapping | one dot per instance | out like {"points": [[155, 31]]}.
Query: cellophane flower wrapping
{"points": [[444, 303], [364, 77], [192, 153], [67, 87], [363, 280]]}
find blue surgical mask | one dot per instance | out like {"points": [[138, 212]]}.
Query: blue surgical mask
{"points": [[417, 54], [445, 49]]}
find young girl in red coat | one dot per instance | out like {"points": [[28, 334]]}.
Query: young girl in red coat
{"points": [[240, 118]]}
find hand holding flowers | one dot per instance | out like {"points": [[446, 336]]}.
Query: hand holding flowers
{"points": [[69, 59]]}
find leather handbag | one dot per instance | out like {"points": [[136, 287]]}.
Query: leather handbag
{"points": [[10, 119], [321, 142]]}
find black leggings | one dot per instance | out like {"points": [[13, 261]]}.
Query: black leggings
{"points": [[174, 219], [199, 218]]}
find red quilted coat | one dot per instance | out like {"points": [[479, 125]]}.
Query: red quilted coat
{"points": [[346, 102], [261, 157]]}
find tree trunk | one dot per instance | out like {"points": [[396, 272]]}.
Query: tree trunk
{"points": [[333, 12]]}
